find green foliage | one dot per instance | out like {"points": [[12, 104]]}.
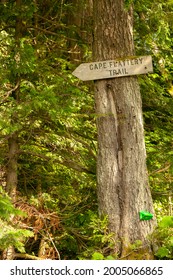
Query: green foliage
{"points": [[101, 243], [163, 252], [6, 207], [97, 256], [9, 234], [166, 222], [100, 256], [23, 59], [162, 238], [136, 245]]}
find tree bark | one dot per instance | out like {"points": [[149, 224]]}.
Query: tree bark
{"points": [[123, 189], [13, 146], [2, 177], [12, 166], [80, 17]]}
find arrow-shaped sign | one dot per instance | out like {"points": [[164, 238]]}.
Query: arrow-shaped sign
{"points": [[114, 68]]}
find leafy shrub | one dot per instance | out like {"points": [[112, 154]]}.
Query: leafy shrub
{"points": [[163, 239], [6, 207], [101, 244], [10, 235]]}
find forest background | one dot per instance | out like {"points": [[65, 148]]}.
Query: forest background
{"points": [[48, 137]]}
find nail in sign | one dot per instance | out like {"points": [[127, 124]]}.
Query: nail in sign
{"points": [[114, 68]]}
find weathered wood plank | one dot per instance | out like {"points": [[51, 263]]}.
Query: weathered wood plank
{"points": [[114, 68]]}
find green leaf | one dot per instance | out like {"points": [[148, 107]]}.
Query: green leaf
{"points": [[97, 256], [162, 252], [166, 222], [110, 258], [6, 207]]}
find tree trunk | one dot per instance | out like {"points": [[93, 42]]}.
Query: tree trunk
{"points": [[79, 17], [11, 185], [2, 177], [123, 189], [13, 146]]}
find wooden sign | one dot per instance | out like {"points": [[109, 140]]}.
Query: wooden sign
{"points": [[114, 68]]}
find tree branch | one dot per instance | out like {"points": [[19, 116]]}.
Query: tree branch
{"points": [[68, 163], [27, 256], [10, 92]]}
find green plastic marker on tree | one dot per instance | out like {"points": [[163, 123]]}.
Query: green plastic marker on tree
{"points": [[143, 215]]}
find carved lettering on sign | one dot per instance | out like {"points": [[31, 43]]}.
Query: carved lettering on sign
{"points": [[114, 68]]}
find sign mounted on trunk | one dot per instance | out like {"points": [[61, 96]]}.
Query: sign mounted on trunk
{"points": [[114, 68]]}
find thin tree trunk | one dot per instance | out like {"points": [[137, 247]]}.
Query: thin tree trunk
{"points": [[80, 17], [123, 189], [11, 184], [12, 166], [13, 146], [2, 177]]}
